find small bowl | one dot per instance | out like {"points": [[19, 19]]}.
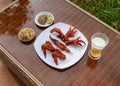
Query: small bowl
{"points": [[44, 13], [26, 34]]}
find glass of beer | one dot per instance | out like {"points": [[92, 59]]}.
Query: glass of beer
{"points": [[98, 43]]}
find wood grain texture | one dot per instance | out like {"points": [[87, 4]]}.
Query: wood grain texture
{"points": [[104, 72], [6, 78]]}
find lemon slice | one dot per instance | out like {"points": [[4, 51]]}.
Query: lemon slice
{"points": [[49, 19]]}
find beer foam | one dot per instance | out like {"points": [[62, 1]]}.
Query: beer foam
{"points": [[99, 42]]}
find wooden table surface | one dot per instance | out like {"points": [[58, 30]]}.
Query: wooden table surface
{"points": [[22, 59]]}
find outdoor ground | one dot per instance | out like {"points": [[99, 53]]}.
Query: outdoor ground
{"points": [[106, 10]]}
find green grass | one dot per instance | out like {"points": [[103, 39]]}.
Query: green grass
{"points": [[106, 10]]}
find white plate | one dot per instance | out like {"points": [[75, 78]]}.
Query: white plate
{"points": [[43, 13], [71, 58]]}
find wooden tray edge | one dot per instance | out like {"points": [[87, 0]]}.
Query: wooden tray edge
{"points": [[19, 67], [6, 7]]}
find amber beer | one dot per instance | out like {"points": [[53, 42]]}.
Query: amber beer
{"points": [[95, 53], [98, 43]]}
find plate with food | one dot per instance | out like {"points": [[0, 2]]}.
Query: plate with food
{"points": [[61, 45], [44, 19], [26, 34]]}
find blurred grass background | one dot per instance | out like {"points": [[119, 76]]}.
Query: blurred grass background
{"points": [[106, 10]]}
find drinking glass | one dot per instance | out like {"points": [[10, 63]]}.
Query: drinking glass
{"points": [[98, 43]]}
